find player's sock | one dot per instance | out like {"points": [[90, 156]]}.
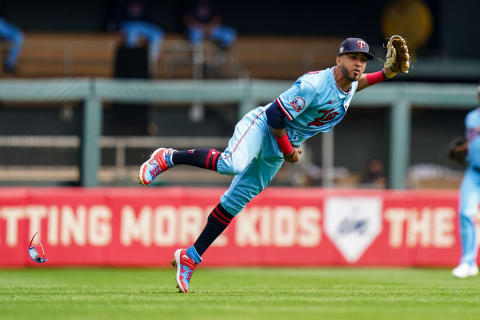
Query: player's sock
{"points": [[217, 221], [203, 158]]}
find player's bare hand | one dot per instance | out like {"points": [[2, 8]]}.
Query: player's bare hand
{"points": [[293, 157]]}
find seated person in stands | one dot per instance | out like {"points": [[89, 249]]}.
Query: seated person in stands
{"points": [[203, 21], [374, 176], [14, 36], [132, 18]]}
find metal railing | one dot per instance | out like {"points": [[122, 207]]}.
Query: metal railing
{"points": [[119, 171], [399, 97]]}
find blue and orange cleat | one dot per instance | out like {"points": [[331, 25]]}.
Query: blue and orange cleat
{"points": [[160, 161], [185, 267]]}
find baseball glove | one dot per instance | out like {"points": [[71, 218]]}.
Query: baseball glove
{"points": [[458, 150], [398, 59]]}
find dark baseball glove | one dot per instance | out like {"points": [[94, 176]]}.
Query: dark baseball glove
{"points": [[398, 58], [458, 150]]}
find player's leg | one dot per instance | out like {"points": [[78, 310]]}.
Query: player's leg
{"points": [[244, 187], [185, 261], [469, 201], [243, 147]]}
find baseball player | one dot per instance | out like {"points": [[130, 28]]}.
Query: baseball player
{"points": [[470, 196], [267, 136]]}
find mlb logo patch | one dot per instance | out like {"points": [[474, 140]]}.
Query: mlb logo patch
{"points": [[353, 223], [298, 103]]}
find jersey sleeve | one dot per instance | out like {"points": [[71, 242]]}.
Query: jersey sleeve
{"points": [[472, 124], [296, 99]]}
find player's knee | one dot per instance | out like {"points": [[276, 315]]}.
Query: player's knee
{"points": [[232, 165], [234, 170]]}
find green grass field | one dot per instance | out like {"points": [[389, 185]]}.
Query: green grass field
{"points": [[248, 293]]}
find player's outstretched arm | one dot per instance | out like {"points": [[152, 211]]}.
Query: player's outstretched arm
{"points": [[369, 79]]}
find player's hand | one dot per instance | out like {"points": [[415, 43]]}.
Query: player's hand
{"points": [[293, 157], [389, 74], [398, 58]]}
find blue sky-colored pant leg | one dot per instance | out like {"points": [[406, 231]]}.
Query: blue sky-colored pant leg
{"points": [[469, 201], [248, 184], [245, 144], [253, 157], [11, 33]]}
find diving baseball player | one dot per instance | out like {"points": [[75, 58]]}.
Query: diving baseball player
{"points": [[267, 136]]}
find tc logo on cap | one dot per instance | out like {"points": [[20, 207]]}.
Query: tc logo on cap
{"points": [[361, 44]]}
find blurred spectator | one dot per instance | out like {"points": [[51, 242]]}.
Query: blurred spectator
{"points": [[132, 18], [14, 36], [374, 177], [203, 21]]}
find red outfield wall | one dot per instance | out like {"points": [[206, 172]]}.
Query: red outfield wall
{"points": [[282, 226]]}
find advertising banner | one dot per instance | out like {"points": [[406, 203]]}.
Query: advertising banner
{"points": [[280, 227]]}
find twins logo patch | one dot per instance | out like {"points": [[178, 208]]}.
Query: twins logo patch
{"points": [[298, 103], [361, 44], [353, 223]]}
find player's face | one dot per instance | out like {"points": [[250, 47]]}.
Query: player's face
{"points": [[352, 65]]}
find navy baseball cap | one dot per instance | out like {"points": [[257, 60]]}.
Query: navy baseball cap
{"points": [[351, 45]]}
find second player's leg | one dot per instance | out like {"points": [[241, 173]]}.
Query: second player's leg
{"points": [[469, 201]]}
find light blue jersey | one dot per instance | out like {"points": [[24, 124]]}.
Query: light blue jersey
{"points": [[314, 104], [472, 125]]}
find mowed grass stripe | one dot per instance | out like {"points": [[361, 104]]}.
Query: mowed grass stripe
{"points": [[256, 293]]}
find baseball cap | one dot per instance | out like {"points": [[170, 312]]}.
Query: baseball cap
{"points": [[351, 45]]}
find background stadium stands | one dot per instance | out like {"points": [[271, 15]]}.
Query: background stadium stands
{"points": [[70, 41]]}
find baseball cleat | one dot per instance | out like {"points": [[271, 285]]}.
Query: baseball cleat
{"points": [[464, 270], [160, 161], [473, 271], [185, 267]]}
